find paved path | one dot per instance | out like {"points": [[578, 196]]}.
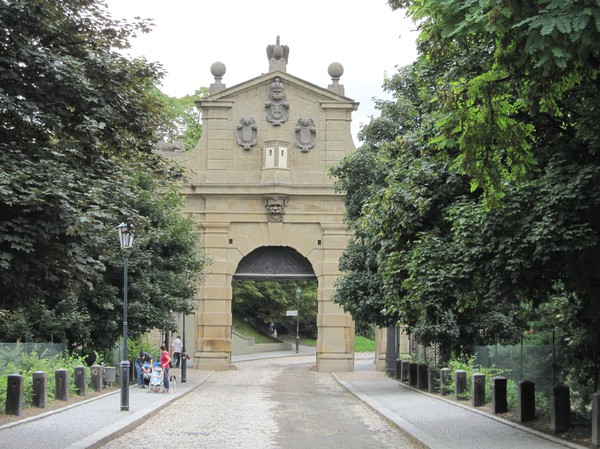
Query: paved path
{"points": [[275, 403], [267, 404]]}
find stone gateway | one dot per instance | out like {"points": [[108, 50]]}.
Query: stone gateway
{"points": [[258, 187]]}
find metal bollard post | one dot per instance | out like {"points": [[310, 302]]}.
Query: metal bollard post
{"points": [[97, 376], [40, 389], [183, 367], [61, 379], [14, 395], [526, 409], [478, 390], [460, 383], [499, 401], [80, 381]]}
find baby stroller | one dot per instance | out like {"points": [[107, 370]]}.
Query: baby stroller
{"points": [[156, 379]]}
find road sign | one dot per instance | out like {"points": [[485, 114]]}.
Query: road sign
{"points": [[291, 313]]}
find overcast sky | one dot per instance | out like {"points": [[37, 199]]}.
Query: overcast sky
{"points": [[366, 37]]}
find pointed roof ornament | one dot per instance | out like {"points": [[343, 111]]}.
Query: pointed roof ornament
{"points": [[278, 56]]}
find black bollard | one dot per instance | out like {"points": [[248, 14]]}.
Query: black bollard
{"points": [[444, 381], [526, 408], [413, 373], [80, 380], [97, 377], [434, 376], [14, 395], [61, 384], [422, 376], [40, 389], [460, 383], [560, 409], [499, 400], [398, 372], [478, 390], [405, 371]]}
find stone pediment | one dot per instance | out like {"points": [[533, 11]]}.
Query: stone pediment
{"points": [[241, 89]]}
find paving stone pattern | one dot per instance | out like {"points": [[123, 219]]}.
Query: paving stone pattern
{"points": [[272, 403]]}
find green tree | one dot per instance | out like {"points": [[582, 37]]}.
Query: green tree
{"points": [[263, 302], [77, 139], [490, 201], [181, 122]]}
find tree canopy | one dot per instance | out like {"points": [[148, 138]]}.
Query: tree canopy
{"points": [[77, 135], [478, 212]]}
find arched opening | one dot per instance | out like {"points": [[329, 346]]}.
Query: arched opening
{"points": [[274, 301]]}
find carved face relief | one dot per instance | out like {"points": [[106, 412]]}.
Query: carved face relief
{"points": [[275, 208], [247, 133], [306, 134]]}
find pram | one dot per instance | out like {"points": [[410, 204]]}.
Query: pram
{"points": [[156, 380]]}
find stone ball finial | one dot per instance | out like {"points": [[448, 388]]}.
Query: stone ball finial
{"points": [[218, 69], [335, 70]]}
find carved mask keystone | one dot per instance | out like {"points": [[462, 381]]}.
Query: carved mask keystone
{"points": [[275, 208]]}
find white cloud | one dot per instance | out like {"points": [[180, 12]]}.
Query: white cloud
{"points": [[366, 37]]}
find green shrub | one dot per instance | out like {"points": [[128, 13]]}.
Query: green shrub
{"points": [[467, 364], [26, 364]]}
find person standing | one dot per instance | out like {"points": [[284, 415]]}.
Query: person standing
{"points": [[142, 358], [165, 363], [176, 346]]}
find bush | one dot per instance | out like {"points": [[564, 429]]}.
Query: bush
{"points": [[17, 362], [467, 363]]}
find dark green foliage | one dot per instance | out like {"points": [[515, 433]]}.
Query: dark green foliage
{"points": [[260, 303], [77, 135], [480, 200]]}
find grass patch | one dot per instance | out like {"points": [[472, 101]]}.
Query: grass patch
{"points": [[241, 327], [361, 344]]}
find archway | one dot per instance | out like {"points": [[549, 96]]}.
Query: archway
{"points": [[258, 187], [274, 300]]}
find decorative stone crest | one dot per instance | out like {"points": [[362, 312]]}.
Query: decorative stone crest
{"points": [[247, 133], [306, 134], [275, 206], [277, 106]]}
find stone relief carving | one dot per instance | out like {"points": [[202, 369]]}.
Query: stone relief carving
{"points": [[305, 135], [247, 133], [275, 206], [277, 105]]}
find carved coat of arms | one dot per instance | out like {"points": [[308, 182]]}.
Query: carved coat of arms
{"points": [[277, 107], [306, 134], [247, 133]]}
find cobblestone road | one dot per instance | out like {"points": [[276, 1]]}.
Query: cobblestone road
{"points": [[272, 403]]}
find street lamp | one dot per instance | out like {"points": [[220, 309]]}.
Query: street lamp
{"points": [[126, 237], [183, 360], [298, 291]]}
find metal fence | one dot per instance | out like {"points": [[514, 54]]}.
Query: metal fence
{"points": [[45, 350], [537, 363]]}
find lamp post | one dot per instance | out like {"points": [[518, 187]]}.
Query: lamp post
{"points": [[126, 237], [298, 291], [183, 360]]}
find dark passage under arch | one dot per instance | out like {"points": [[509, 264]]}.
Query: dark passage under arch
{"points": [[276, 263]]}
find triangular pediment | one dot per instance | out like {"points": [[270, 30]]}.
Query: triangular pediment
{"points": [[267, 78]]}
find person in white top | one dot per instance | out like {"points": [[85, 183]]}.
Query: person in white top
{"points": [[176, 346]]}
